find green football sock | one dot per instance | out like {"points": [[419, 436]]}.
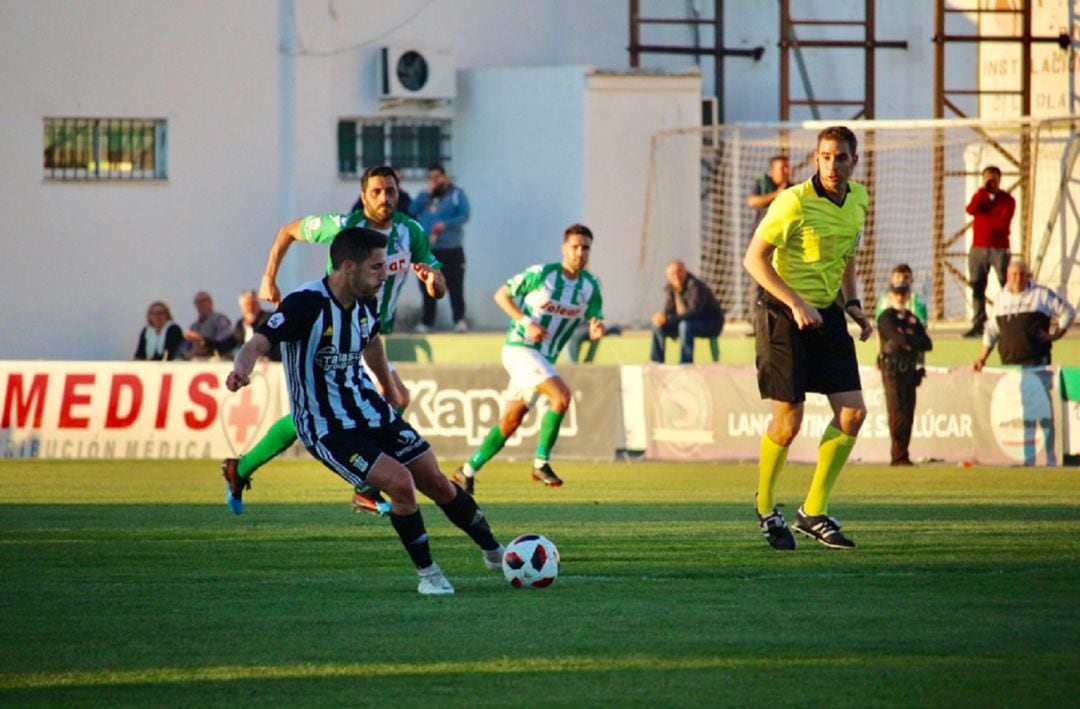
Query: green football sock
{"points": [[493, 443], [549, 433], [280, 436], [771, 462], [833, 452]]}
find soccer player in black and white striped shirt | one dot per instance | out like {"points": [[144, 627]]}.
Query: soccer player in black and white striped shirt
{"points": [[325, 327]]}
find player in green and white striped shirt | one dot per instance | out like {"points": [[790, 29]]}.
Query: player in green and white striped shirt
{"points": [[408, 249], [545, 303]]}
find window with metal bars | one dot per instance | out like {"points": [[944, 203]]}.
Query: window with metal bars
{"points": [[409, 144], [105, 149]]}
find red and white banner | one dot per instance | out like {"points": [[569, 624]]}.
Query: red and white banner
{"points": [[183, 410], [133, 409]]}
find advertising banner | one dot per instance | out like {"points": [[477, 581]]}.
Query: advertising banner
{"points": [[133, 409], [454, 406], [183, 410], [998, 416]]}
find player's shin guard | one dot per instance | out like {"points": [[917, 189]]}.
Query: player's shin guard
{"points": [[549, 433], [492, 444], [770, 463], [467, 516], [280, 436], [414, 537], [833, 452]]}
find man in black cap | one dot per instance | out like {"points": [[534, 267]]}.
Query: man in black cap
{"points": [[903, 340]]}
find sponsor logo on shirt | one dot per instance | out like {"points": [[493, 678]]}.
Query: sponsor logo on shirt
{"points": [[328, 358], [560, 309], [276, 320], [394, 265]]}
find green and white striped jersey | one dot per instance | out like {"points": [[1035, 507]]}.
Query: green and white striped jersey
{"points": [[408, 244], [559, 304]]}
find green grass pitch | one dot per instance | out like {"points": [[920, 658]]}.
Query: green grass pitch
{"points": [[130, 584]]}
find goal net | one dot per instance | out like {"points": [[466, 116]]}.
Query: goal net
{"points": [[920, 176]]}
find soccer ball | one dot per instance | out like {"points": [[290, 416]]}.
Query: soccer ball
{"points": [[531, 561]]}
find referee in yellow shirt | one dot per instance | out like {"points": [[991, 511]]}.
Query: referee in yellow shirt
{"points": [[803, 255]]}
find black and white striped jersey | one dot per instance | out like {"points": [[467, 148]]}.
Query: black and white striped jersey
{"points": [[321, 345]]}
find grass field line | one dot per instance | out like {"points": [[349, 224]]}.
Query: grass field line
{"points": [[503, 665]]}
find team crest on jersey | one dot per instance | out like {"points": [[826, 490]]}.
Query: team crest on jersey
{"points": [[276, 320]]}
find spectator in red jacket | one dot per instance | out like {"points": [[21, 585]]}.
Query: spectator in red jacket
{"points": [[992, 210]]}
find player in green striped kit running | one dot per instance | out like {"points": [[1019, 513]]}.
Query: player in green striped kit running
{"points": [[408, 250], [546, 304]]}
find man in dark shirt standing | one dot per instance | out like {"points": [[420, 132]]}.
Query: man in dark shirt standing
{"points": [[690, 311], [992, 211], [903, 340]]}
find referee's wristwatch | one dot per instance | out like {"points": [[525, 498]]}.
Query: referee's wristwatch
{"points": [[854, 302]]}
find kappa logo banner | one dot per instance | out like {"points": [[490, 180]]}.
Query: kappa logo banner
{"points": [[454, 406], [997, 416]]}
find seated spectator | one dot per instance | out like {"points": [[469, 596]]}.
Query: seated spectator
{"points": [[690, 311], [1026, 320], [252, 316], [161, 339], [211, 333], [581, 337]]}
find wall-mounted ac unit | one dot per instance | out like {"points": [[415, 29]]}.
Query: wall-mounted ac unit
{"points": [[412, 72]]}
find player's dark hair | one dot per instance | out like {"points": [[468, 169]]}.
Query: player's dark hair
{"points": [[992, 168], [355, 244], [904, 269], [377, 171], [436, 168], [840, 133], [779, 157], [577, 229]]}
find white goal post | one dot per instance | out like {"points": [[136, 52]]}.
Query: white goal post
{"points": [[920, 175]]}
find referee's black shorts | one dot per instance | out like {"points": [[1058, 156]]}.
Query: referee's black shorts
{"points": [[791, 362]]}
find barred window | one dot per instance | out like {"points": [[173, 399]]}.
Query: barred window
{"points": [[105, 149], [409, 144]]}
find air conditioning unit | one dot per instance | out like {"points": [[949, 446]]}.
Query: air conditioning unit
{"points": [[408, 72]]}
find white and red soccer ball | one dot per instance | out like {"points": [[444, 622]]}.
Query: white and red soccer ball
{"points": [[531, 561]]}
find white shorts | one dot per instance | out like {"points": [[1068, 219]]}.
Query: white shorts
{"points": [[527, 369]]}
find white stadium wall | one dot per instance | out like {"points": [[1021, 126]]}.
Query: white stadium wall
{"points": [[252, 91]]}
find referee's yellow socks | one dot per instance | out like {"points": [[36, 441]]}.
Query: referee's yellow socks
{"points": [[771, 461], [833, 452]]}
